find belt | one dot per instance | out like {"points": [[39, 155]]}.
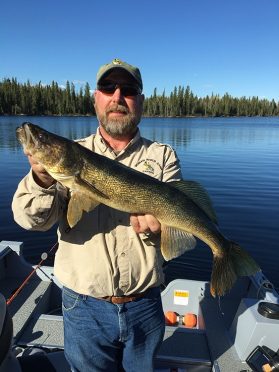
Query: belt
{"points": [[123, 299]]}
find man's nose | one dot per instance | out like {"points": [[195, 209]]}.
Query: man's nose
{"points": [[117, 95]]}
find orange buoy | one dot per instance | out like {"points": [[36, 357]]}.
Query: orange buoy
{"points": [[190, 320], [171, 318]]}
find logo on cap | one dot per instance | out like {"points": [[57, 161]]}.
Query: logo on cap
{"points": [[117, 61]]}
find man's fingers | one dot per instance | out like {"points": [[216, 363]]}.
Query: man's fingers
{"points": [[153, 224], [138, 223], [144, 223], [41, 176]]}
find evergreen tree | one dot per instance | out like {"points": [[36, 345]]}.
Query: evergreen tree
{"points": [[38, 99]]}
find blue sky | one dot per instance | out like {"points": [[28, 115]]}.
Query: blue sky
{"points": [[214, 46]]}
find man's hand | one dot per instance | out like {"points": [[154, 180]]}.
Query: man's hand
{"points": [[40, 175], [145, 223]]}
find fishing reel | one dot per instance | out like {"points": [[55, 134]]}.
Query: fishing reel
{"points": [[263, 359]]}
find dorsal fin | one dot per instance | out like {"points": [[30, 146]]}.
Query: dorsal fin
{"points": [[197, 193]]}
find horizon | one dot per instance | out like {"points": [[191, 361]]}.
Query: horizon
{"points": [[159, 94]]}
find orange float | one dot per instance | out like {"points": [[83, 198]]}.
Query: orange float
{"points": [[171, 318], [190, 320]]}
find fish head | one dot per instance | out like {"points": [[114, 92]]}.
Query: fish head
{"points": [[49, 149]]}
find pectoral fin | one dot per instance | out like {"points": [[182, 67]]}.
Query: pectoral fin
{"points": [[78, 203], [175, 242], [89, 187]]}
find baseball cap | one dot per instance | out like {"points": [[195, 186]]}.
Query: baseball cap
{"points": [[117, 63]]}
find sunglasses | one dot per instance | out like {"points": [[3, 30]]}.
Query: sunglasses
{"points": [[126, 90]]}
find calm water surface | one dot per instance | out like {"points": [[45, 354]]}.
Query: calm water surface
{"points": [[236, 159]]}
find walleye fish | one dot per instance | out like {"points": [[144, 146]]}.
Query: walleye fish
{"points": [[183, 208]]}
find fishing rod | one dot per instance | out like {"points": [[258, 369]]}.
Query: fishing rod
{"points": [[44, 256]]}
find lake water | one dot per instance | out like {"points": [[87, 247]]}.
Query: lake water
{"points": [[236, 159]]}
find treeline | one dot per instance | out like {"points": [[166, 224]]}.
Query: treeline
{"points": [[17, 98], [183, 102], [38, 99]]}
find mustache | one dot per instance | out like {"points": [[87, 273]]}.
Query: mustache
{"points": [[119, 108]]}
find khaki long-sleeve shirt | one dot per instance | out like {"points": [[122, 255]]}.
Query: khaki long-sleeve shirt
{"points": [[102, 255]]}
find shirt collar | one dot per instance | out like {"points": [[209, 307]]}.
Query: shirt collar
{"points": [[103, 146]]}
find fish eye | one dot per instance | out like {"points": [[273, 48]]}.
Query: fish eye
{"points": [[41, 136]]}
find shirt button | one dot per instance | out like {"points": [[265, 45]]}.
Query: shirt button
{"points": [[123, 254]]}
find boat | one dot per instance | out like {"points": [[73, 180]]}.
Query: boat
{"points": [[237, 332]]}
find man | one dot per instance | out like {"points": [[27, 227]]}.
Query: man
{"points": [[110, 263]]}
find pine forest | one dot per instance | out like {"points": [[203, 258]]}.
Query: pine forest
{"points": [[38, 99]]}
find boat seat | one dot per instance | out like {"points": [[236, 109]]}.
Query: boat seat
{"points": [[40, 361]]}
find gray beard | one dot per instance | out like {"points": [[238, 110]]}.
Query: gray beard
{"points": [[117, 127]]}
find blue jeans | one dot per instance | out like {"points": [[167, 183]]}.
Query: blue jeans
{"points": [[101, 336]]}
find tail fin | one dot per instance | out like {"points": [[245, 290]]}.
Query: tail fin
{"points": [[235, 262]]}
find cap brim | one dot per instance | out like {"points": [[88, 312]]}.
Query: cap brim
{"points": [[110, 69]]}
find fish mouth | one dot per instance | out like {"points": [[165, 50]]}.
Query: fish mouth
{"points": [[25, 135]]}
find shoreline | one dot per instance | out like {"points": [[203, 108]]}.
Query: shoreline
{"points": [[147, 116]]}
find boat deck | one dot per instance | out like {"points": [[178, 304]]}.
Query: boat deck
{"points": [[210, 346]]}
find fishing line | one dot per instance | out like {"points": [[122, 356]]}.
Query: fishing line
{"points": [[44, 256]]}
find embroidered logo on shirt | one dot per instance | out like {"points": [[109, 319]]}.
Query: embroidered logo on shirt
{"points": [[148, 166]]}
